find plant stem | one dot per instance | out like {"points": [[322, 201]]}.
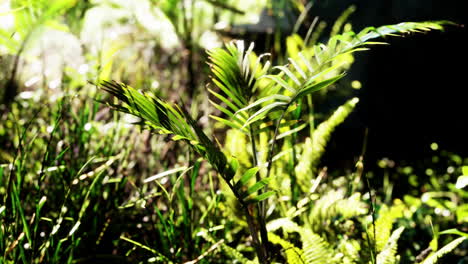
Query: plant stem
{"points": [[259, 246], [254, 150], [261, 205], [359, 164], [293, 187], [270, 153], [292, 165], [311, 115]]}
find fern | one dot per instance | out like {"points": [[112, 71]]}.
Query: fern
{"points": [[314, 147], [287, 224], [294, 255], [231, 252], [245, 102], [384, 224], [168, 119], [348, 251], [388, 253], [433, 258], [332, 207], [316, 249]]}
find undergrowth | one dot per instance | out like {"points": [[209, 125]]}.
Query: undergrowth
{"points": [[226, 171]]}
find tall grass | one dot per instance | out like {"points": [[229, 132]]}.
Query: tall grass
{"points": [[161, 182]]}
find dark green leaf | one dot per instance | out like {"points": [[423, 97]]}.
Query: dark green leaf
{"points": [[254, 188], [261, 197], [246, 177]]}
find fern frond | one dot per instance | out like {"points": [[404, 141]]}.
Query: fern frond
{"points": [[433, 258], [348, 251], [287, 224], [294, 255], [231, 252], [388, 253], [341, 20], [157, 114], [334, 206], [316, 250], [384, 224], [171, 119], [314, 148]]}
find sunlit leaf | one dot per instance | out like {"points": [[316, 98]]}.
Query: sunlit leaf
{"points": [[261, 197], [246, 177]]}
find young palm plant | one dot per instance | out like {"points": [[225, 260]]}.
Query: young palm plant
{"points": [[254, 98]]}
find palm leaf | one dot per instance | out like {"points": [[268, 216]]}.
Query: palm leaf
{"points": [[249, 174], [169, 119], [318, 67], [232, 74]]}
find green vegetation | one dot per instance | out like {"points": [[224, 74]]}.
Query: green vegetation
{"points": [[209, 157]]}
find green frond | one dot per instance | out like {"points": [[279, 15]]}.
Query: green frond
{"points": [[229, 251], [158, 114], [433, 258], [384, 225], [235, 75], [341, 20], [351, 42], [317, 67], [316, 250], [388, 253], [237, 255], [349, 250], [314, 148], [287, 224], [333, 206], [174, 120], [294, 255], [168, 119]]}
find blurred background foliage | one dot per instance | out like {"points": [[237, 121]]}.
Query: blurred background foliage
{"points": [[81, 184]]}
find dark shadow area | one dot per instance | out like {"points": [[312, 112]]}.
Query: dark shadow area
{"points": [[414, 89]]}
